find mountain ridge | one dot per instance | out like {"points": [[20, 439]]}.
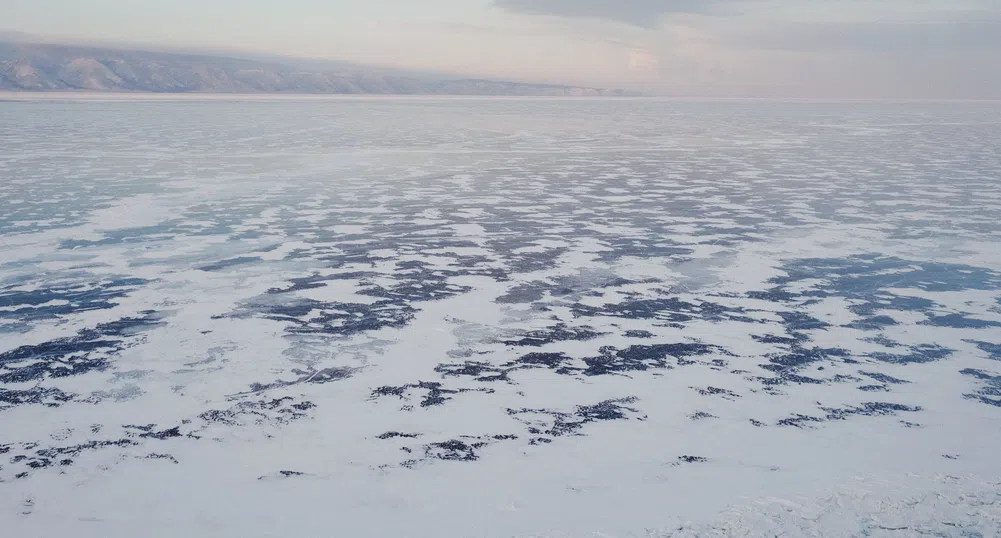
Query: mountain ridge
{"points": [[40, 67]]}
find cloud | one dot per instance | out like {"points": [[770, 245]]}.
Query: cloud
{"points": [[972, 32], [645, 13], [860, 25], [574, 34]]}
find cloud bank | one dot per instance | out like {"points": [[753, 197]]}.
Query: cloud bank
{"points": [[643, 13]]}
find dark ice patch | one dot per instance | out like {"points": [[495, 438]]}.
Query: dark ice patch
{"points": [[786, 366], [691, 459], [32, 457], [557, 333], [278, 411], [917, 354], [480, 371], [453, 450], [312, 376], [230, 262], [883, 378], [301, 284], [396, 307], [888, 301], [871, 409], [27, 305], [611, 361], [959, 321], [417, 286], [798, 321], [799, 357], [638, 334], [883, 341], [163, 434], [394, 435], [641, 247], [641, 358], [865, 279], [462, 448], [167, 457], [558, 424], [864, 276], [308, 316], [124, 236], [282, 475], [559, 362], [434, 393], [716, 391], [48, 396], [993, 351], [775, 295], [874, 323], [672, 310], [794, 339], [90, 349], [990, 391], [565, 286], [524, 293]]}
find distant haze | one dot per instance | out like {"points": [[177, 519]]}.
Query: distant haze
{"points": [[756, 48]]}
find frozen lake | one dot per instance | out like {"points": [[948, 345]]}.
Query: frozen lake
{"points": [[499, 317]]}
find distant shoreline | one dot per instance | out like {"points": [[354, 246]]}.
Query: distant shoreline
{"points": [[125, 96], [63, 95]]}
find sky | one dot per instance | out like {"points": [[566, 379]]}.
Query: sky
{"points": [[722, 48]]}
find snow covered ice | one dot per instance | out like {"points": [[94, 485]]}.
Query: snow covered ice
{"points": [[510, 317]]}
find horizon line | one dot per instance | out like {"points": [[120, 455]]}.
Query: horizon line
{"points": [[126, 96]]}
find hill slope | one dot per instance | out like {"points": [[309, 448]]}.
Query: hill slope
{"points": [[47, 67]]}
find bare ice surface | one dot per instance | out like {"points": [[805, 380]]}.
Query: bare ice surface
{"points": [[500, 318]]}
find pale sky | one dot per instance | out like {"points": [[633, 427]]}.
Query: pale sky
{"points": [[800, 48]]}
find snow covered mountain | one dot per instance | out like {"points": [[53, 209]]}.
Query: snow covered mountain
{"points": [[46, 67]]}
